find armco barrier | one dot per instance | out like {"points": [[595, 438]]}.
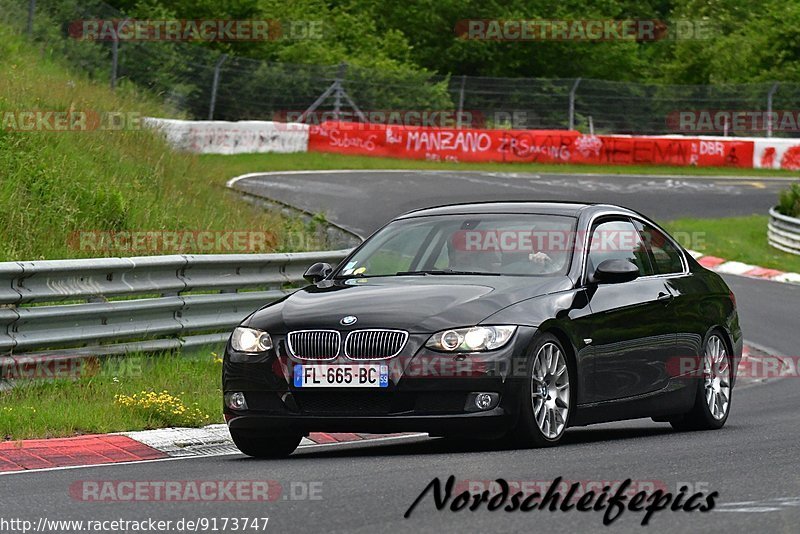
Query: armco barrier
{"points": [[771, 153], [783, 232], [542, 146], [222, 137], [69, 308]]}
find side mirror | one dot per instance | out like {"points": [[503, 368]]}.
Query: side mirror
{"points": [[615, 272], [318, 272]]}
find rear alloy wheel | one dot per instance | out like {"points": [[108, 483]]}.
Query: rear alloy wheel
{"points": [[547, 400], [713, 401], [265, 445]]}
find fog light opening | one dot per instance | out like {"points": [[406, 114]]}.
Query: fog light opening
{"points": [[486, 401], [236, 401]]}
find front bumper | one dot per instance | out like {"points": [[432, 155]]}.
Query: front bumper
{"points": [[491, 423], [428, 392]]}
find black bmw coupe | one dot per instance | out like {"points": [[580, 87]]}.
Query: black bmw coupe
{"points": [[511, 320]]}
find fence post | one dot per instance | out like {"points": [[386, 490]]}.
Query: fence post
{"points": [[31, 10], [461, 101], [337, 96], [769, 108], [572, 103], [214, 85], [114, 61]]}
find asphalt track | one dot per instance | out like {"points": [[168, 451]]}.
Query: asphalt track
{"points": [[752, 462], [361, 201]]}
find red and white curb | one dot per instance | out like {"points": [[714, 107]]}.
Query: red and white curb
{"points": [[721, 265], [147, 445]]}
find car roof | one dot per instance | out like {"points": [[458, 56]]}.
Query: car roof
{"points": [[573, 209]]}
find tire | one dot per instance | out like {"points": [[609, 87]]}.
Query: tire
{"points": [[712, 403], [547, 395], [265, 445]]}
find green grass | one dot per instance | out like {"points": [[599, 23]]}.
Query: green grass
{"points": [[54, 185], [734, 238], [88, 404], [245, 163]]}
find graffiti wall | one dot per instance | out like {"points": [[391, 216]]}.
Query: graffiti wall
{"points": [[473, 145], [541, 146], [771, 153], [221, 137]]}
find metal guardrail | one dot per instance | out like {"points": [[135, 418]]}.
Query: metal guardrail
{"points": [[63, 309], [783, 232]]}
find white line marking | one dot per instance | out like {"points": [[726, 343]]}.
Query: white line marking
{"points": [[235, 179], [752, 509], [776, 504], [517, 174]]}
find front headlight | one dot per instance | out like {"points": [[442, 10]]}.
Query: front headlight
{"points": [[475, 339], [250, 340]]}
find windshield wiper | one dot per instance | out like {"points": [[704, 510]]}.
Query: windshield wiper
{"points": [[445, 271], [359, 275]]}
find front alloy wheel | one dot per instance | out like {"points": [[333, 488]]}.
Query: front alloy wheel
{"points": [[550, 390], [547, 400]]}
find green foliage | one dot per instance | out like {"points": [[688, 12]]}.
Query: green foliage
{"points": [[402, 55], [789, 201], [755, 41]]}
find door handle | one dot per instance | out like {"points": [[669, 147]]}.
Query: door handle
{"points": [[666, 298]]}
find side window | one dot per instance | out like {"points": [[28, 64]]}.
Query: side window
{"points": [[394, 254], [618, 240], [666, 257]]}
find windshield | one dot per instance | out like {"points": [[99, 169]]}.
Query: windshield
{"points": [[491, 244]]}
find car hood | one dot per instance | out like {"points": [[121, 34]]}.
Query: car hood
{"points": [[419, 304]]}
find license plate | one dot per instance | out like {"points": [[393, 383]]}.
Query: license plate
{"points": [[341, 376]]}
